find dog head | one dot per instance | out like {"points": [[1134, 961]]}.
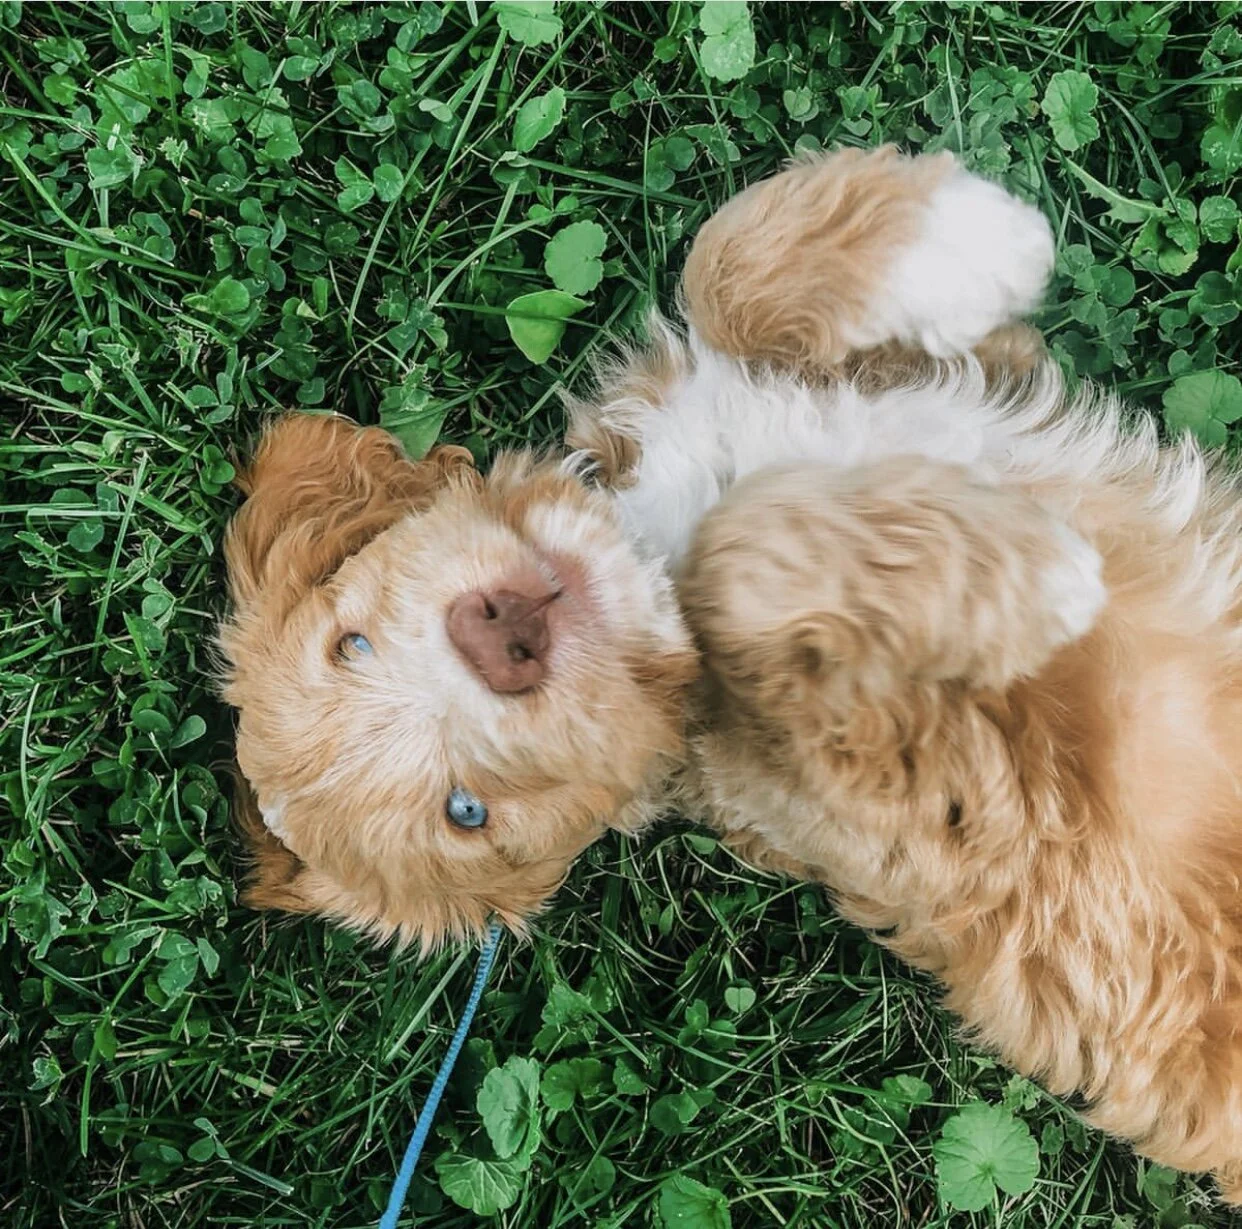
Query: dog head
{"points": [[447, 685]]}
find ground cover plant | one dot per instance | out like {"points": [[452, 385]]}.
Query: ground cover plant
{"points": [[429, 216]]}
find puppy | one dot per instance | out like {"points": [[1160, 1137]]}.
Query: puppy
{"points": [[965, 651], [446, 686]]}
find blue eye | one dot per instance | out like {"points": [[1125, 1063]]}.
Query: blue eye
{"points": [[354, 645], [465, 810]]}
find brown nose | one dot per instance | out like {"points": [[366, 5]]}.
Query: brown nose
{"points": [[504, 635]]}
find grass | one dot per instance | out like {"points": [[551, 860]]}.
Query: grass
{"points": [[209, 211]]}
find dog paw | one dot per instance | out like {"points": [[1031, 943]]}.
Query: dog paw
{"points": [[982, 260]]}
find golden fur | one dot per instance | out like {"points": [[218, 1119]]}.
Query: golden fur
{"points": [[764, 299], [340, 533], [910, 689], [1056, 840]]}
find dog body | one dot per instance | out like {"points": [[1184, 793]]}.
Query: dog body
{"points": [[967, 651], [971, 659]]}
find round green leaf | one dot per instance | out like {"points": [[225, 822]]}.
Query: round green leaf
{"points": [[229, 298], [438, 110], [60, 88], [46, 1073], [146, 633], [208, 955], [800, 104], [529, 21], [1221, 148], [905, 1089], [671, 1114], [508, 1102], [1116, 285], [537, 321], [356, 188], [1218, 218], [388, 182], [687, 1204], [571, 257], [105, 1040], [482, 1187], [190, 730], [152, 721], [596, 1179], [174, 946], [1068, 103], [537, 118], [178, 975], [86, 535], [109, 168], [627, 1081], [728, 51], [980, 1149], [300, 67]]}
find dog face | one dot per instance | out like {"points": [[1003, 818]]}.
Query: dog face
{"points": [[448, 686]]}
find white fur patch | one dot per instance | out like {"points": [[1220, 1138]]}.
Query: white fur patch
{"points": [[274, 818], [1073, 587], [724, 422], [983, 260]]}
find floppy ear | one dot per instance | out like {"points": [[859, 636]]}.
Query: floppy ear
{"points": [[319, 488]]}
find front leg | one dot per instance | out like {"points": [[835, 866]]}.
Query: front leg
{"points": [[863, 258], [905, 571], [860, 631]]}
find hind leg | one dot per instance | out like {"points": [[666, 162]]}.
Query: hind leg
{"points": [[856, 252]]}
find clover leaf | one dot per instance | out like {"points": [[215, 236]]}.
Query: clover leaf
{"points": [[1218, 218], [537, 323], [229, 297], [563, 1082], [1220, 147], [409, 412], [529, 21], [728, 50], [537, 118], [356, 187], [585, 1184], [1204, 402], [664, 159], [388, 180]]}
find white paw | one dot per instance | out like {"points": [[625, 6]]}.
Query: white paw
{"points": [[983, 260], [1073, 587]]}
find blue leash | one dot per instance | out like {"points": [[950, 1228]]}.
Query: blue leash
{"points": [[422, 1128]]}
